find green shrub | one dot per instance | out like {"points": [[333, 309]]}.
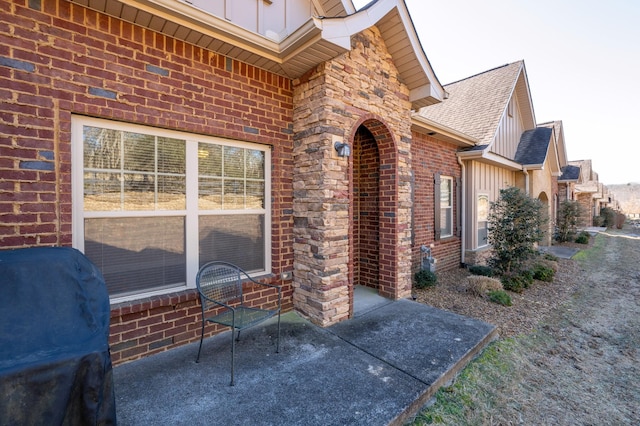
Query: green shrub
{"points": [[608, 216], [483, 270], [553, 264], [500, 297], [583, 238], [550, 256], [568, 215], [517, 282], [424, 278], [543, 273], [515, 224]]}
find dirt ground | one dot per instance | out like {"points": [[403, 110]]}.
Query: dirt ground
{"points": [[573, 356]]}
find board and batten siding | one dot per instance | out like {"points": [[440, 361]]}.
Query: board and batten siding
{"points": [[509, 131], [489, 180]]}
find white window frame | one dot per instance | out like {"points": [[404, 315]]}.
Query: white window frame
{"points": [[449, 207], [479, 244], [191, 212]]}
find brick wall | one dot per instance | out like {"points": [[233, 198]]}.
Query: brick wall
{"points": [[431, 156], [366, 231], [58, 59]]}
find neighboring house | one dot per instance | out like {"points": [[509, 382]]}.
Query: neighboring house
{"points": [[494, 108], [561, 153], [585, 190], [567, 182], [156, 136]]}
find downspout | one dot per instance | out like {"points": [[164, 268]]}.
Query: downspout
{"points": [[526, 180], [463, 210]]}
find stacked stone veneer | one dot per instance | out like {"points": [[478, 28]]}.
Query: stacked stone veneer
{"points": [[331, 102]]}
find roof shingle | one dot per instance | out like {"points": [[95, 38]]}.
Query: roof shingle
{"points": [[476, 104], [533, 146]]}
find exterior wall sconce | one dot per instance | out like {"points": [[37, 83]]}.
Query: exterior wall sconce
{"points": [[343, 149]]}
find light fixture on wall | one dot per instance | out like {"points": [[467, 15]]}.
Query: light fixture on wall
{"points": [[343, 149]]}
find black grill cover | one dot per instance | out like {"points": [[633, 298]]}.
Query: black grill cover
{"points": [[55, 366]]}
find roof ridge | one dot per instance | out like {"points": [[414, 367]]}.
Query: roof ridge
{"points": [[484, 72]]}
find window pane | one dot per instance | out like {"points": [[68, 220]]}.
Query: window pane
{"points": [[233, 162], [102, 191], [445, 192], [171, 193], [482, 233], [255, 195], [139, 191], [102, 148], [139, 152], [238, 239], [137, 254], [171, 156], [483, 208], [445, 222], [233, 194], [255, 164], [209, 159], [151, 175], [210, 194]]}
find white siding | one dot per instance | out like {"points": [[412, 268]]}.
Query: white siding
{"points": [[275, 20], [509, 131], [486, 179]]}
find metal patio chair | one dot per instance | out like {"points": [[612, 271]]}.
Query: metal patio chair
{"points": [[220, 286]]}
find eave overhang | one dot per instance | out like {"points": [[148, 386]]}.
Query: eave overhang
{"points": [[396, 27], [438, 131], [320, 39], [485, 156]]}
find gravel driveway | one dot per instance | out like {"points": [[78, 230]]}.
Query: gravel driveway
{"points": [[580, 366]]}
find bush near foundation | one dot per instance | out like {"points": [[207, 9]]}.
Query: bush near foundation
{"points": [[483, 270], [500, 297], [583, 238], [424, 279], [480, 285], [542, 272], [515, 225]]}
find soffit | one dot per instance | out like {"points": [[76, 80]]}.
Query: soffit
{"points": [[299, 52], [318, 40]]}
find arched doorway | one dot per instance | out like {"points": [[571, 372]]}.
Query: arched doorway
{"points": [[366, 191], [374, 209]]}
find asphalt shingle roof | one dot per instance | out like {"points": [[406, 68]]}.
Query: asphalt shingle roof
{"points": [[476, 104], [533, 146], [570, 173]]}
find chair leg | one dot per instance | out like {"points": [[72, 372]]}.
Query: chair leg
{"points": [[233, 353], [201, 337], [238, 338], [278, 341]]}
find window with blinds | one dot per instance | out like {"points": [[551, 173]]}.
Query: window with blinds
{"points": [[151, 206]]}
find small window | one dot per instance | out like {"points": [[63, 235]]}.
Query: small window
{"points": [[483, 214], [446, 206]]}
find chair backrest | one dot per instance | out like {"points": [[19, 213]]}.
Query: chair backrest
{"points": [[220, 282]]}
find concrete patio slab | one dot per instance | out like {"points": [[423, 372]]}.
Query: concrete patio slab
{"points": [[378, 368]]}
